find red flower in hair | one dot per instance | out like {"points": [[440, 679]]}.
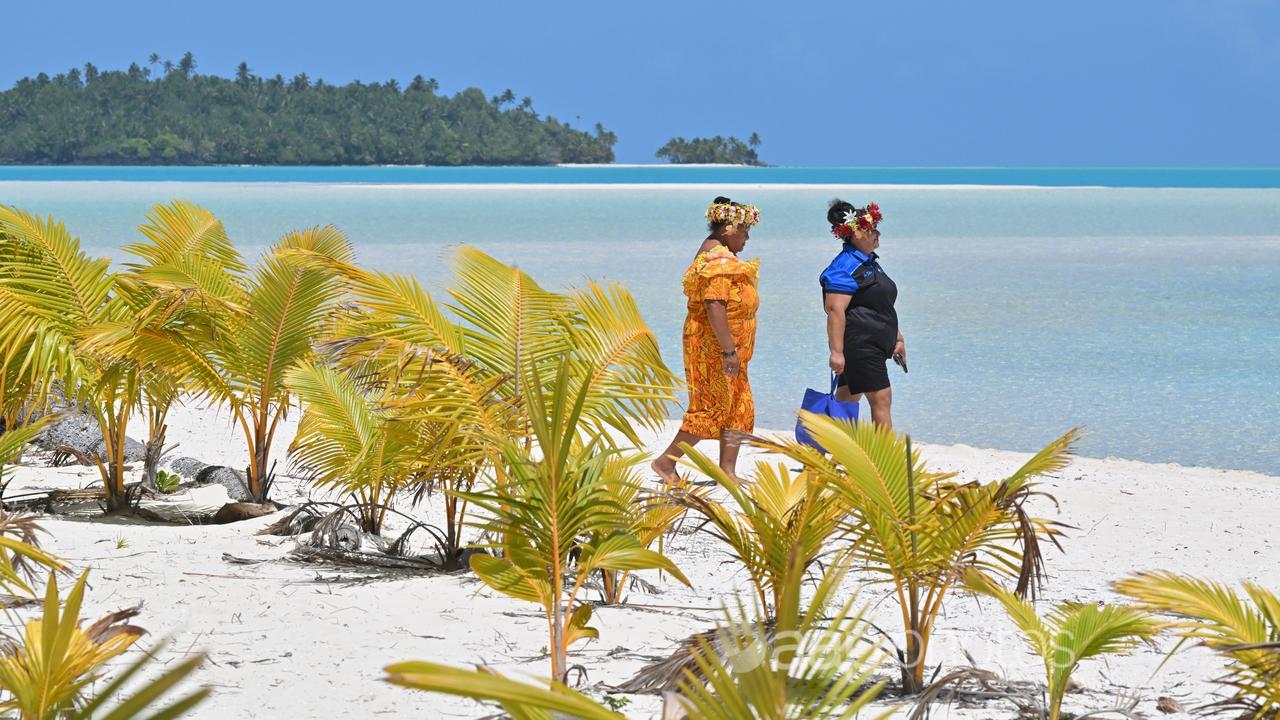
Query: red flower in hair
{"points": [[842, 231]]}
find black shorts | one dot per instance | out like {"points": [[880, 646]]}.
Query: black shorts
{"points": [[865, 373]]}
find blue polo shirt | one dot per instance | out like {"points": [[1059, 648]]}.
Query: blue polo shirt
{"points": [[871, 322]]}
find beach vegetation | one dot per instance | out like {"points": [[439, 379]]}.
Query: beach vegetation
{"points": [[461, 373], [20, 553], [286, 310], [165, 113], [1244, 628], [57, 659], [1069, 633], [716, 150], [347, 440], [180, 290], [167, 482], [554, 517], [780, 523], [816, 661], [52, 671], [51, 294], [260, 324], [649, 515], [921, 531]]}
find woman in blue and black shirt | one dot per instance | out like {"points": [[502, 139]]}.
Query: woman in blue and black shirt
{"points": [[862, 325]]}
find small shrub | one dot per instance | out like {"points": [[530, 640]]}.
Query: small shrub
{"points": [[167, 482]]}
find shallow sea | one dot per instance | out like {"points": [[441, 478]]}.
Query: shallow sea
{"points": [[1146, 315]]}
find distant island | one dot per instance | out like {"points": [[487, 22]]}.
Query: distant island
{"points": [[717, 150], [167, 114]]}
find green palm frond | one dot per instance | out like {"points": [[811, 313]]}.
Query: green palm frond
{"points": [[619, 361], [649, 514], [50, 673], [20, 551], [151, 700], [347, 440], [1070, 633], [817, 664], [52, 296], [779, 523], [21, 554], [288, 305], [1245, 629], [554, 501], [920, 530], [180, 230], [49, 290], [1053, 457], [520, 700], [515, 327]]}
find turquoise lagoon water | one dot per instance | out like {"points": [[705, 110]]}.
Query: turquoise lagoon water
{"points": [[1246, 177], [1146, 315]]}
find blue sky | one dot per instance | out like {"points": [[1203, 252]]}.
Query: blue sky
{"points": [[901, 82]]}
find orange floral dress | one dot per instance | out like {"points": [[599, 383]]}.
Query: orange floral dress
{"points": [[717, 401]]}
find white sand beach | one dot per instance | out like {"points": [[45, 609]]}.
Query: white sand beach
{"points": [[287, 639]]}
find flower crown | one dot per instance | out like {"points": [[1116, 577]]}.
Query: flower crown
{"points": [[733, 214], [865, 219]]}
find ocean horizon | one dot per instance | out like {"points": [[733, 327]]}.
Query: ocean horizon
{"points": [[1143, 314], [662, 174]]}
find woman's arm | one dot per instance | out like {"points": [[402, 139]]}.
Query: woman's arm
{"points": [[836, 304], [718, 315]]}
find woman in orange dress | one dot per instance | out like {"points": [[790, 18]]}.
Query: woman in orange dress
{"points": [[719, 338]]}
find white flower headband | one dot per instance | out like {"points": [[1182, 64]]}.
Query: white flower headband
{"points": [[733, 214]]}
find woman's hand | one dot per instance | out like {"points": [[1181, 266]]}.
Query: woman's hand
{"points": [[732, 363], [900, 351], [836, 362]]}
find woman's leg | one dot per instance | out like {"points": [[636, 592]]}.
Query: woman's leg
{"points": [[741, 420], [665, 465], [880, 402], [843, 394], [730, 443]]}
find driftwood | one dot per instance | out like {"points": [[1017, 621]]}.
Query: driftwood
{"points": [[44, 500], [309, 553], [666, 675]]}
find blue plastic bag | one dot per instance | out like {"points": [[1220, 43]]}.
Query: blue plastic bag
{"points": [[820, 403]]}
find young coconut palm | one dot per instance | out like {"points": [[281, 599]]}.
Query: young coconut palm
{"points": [[780, 523], [810, 662], [468, 377], [919, 530], [46, 676], [649, 515], [347, 440], [180, 295], [49, 674], [553, 503], [817, 665], [261, 329], [1243, 629], [51, 294], [1069, 633]]}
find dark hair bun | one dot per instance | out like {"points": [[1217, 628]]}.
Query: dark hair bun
{"points": [[722, 200], [837, 209]]}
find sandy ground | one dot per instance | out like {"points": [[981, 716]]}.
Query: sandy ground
{"points": [[293, 640]]}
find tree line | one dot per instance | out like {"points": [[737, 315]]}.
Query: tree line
{"points": [[167, 113], [717, 150]]}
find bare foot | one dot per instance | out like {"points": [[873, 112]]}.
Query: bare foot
{"points": [[665, 468]]}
